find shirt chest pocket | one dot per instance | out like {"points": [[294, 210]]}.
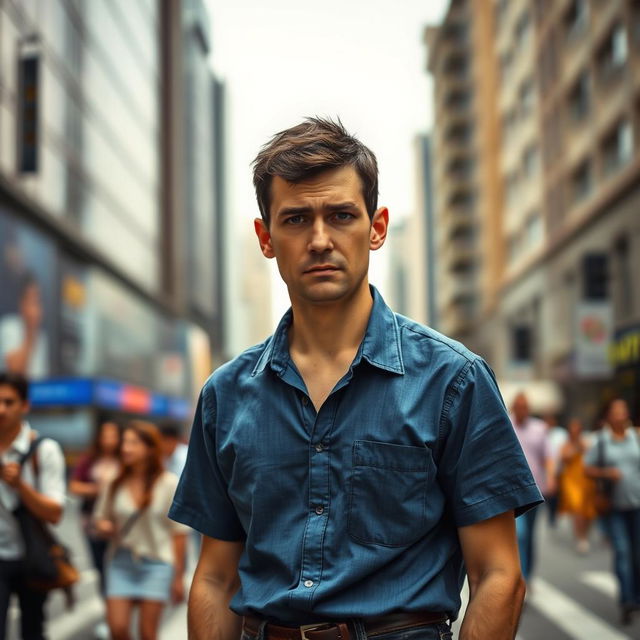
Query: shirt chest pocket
{"points": [[388, 493]]}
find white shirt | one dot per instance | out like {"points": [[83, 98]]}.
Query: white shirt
{"points": [[151, 536], [176, 461], [51, 483]]}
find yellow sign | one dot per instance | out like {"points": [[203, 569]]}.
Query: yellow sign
{"points": [[625, 350]]}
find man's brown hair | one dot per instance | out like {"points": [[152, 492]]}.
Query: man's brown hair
{"points": [[315, 145]]}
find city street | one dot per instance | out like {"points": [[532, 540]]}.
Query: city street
{"points": [[572, 597]]}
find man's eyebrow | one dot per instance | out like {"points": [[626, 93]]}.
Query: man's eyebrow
{"points": [[297, 211], [293, 211]]}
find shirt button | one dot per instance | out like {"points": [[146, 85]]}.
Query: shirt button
{"points": [[319, 509], [305, 401], [319, 447], [308, 583]]}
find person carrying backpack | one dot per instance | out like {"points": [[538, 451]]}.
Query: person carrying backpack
{"points": [[41, 492]]}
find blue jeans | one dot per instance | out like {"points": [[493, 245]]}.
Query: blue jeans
{"points": [[525, 525], [440, 631], [624, 532]]}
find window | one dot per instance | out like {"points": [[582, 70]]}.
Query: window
{"points": [[533, 230], [460, 168], [531, 162], [457, 99], [522, 30], [506, 60], [576, 19], [595, 274], [526, 96], [456, 32], [511, 187], [613, 53], [456, 65], [582, 182], [617, 148], [580, 98], [459, 134], [521, 343]]}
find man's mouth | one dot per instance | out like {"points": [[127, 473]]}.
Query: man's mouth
{"points": [[322, 268]]}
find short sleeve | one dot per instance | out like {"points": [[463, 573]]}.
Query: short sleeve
{"points": [[482, 469], [82, 470], [201, 500], [51, 471]]}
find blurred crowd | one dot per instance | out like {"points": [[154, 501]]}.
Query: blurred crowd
{"points": [[127, 479], [591, 477]]}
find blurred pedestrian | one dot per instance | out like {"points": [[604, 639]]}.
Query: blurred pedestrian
{"points": [[534, 439], [39, 485], [174, 450], [576, 489], [347, 471], [615, 458], [557, 437], [94, 471], [146, 556]]}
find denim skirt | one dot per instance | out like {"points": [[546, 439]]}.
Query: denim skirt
{"points": [[138, 578]]}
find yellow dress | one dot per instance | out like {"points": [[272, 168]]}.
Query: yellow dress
{"points": [[576, 490]]}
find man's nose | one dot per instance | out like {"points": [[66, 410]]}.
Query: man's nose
{"points": [[320, 240]]}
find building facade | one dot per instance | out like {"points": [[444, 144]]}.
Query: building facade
{"points": [[91, 197], [567, 159]]}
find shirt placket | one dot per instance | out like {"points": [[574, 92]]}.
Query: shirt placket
{"points": [[318, 506]]}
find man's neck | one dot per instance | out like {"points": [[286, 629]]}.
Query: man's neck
{"points": [[326, 331], [8, 435]]}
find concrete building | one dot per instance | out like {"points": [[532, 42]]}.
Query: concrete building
{"points": [[101, 302], [567, 154], [464, 183]]}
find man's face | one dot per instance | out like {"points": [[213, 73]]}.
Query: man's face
{"points": [[12, 408], [321, 235]]}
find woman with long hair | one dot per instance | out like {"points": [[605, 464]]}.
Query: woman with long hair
{"points": [[146, 550], [615, 458], [94, 471]]}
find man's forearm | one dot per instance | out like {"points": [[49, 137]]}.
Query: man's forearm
{"points": [[494, 607], [209, 616], [40, 505]]}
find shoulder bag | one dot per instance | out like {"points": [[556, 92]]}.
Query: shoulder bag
{"points": [[47, 563]]}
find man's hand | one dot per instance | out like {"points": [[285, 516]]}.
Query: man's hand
{"points": [[10, 473], [105, 528], [490, 552]]}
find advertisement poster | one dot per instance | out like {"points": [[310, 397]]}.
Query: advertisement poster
{"points": [[593, 339], [27, 298]]}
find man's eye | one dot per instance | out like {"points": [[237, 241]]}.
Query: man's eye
{"points": [[343, 216], [294, 220]]}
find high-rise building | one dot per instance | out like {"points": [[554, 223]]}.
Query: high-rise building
{"points": [[105, 294], [457, 189], [565, 228]]}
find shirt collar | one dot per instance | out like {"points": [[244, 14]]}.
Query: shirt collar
{"points": [[22, 441], [380, 346]]}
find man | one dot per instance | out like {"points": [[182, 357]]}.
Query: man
{"points": [[534, 439], [343, 470], [43, 496], [173, 449]]}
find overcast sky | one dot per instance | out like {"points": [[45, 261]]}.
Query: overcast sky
{"points": [[361, 60]]}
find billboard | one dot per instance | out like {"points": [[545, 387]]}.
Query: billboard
{"points": [[28, 268], [593, 339]]}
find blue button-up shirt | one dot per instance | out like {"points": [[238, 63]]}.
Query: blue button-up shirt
{"points": [[352, 511]]}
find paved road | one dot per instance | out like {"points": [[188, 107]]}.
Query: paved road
{"points": [[572, 597]]}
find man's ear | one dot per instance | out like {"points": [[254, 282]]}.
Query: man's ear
{"points": [[379, 227], [264, 238]]}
